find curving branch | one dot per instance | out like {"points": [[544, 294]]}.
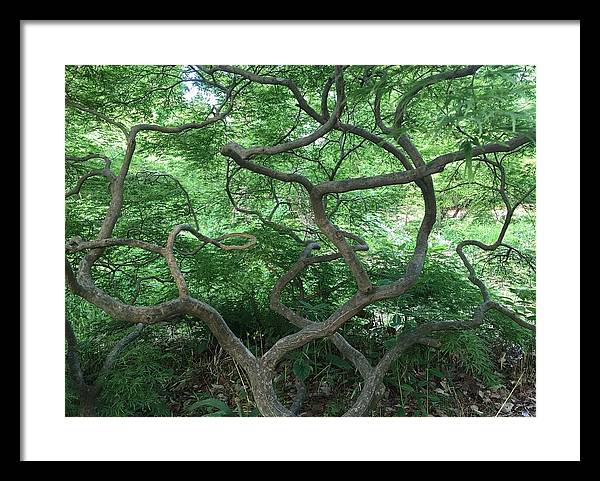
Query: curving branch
{"points": [[420, 85], [521, 256], [72, 357], [436, 165], [268, 80], [305, 260], [112, 356], [510, 210], [300, 397], [85, 158], [419, 335], [163, 175], [268, 220], [77, 244], [242, 155], [89, 388], [104, 172], [95, 113], [348, 244], [418, 172], [83, 285]]}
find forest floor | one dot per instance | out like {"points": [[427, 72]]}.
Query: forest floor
{"points": [[463, 396], [459, 394], [466, 397]]}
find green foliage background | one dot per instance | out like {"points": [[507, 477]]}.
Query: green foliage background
{"points": [[497, 103]]}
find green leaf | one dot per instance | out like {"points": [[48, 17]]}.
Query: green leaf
{"points": [[294, 355], [302, 369], [339, 362], [407, 388], [222, 408], [468, 150], [435, 372], [201, 347]]}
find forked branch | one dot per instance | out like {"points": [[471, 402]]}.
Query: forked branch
{"points": [[347, 244]]}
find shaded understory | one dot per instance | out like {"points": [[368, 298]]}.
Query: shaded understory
{"points": [[176, 371]]}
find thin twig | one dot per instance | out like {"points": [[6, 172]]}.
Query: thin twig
{"points": [[513, 390]]}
